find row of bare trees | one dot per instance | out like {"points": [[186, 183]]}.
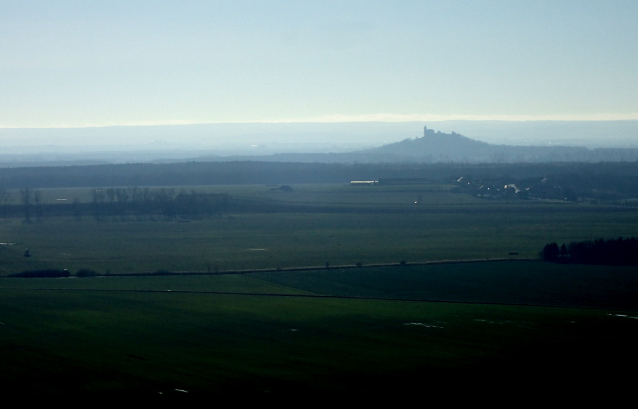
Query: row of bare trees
{"points": [[5, 199], [117, 203], [162, 203], [28, 198], [30, 203]]}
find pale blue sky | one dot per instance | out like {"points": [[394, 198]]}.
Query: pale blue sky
{"points": [[94, 63]]}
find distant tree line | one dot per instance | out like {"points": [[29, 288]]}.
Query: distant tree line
{"points": [[31, 203], [164, 203], [608, 252], [610, 176], [121, 203], [46, 273], [613, 182], [53, 273]]}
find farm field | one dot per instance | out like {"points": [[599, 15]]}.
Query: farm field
{"points": [[111, 336], [364, 331], [355, 225]]}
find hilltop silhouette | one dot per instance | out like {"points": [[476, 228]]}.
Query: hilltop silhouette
{"points": [[438, 147], [435, 147]]}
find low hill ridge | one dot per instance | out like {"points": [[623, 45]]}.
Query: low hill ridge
{"points": [[436, 144], [442, 147]]}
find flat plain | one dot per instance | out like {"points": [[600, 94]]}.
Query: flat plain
{"points": [[367, 225], [363, 331]]}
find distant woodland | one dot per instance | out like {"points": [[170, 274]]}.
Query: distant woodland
{"points": [[608, 252], [620, 177], [161, 191]]}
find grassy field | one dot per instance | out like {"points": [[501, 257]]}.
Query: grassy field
{"points": [[271, 240], [116, 339], [507, 282], [362, 331]]}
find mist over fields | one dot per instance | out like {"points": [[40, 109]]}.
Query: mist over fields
{"points": [[226, 201], [228, 266], [128, 144]]}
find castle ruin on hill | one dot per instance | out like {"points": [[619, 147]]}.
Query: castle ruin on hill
{"points": [[427, 131]]}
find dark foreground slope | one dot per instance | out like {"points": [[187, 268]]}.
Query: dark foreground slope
{"points": [[116, 341]]}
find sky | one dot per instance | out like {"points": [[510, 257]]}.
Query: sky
{"points": [[106, 63]]}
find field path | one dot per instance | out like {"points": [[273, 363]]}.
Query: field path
{"points": [[335, 267]]}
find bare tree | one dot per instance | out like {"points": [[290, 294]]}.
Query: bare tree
{"points": [[98, 203], [77, 209], [37, 199], [5, 198], [26, 197]]}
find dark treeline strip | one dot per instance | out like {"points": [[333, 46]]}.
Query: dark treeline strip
{"points": [[621, 252], [213, 173], [158, 203], [123, 203], [48, 273]]}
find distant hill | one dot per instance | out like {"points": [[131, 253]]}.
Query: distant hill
{"points": [[435, 147], [439, 147], [319, 143]]}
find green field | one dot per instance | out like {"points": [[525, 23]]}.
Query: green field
{"points": [[369, 331], [368, 229], [112, 336]]}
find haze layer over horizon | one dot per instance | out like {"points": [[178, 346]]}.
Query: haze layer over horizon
{"points": [[113, 63]]}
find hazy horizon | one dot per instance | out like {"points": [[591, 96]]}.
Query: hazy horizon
{"points": [[70, 64], [179, 142]]}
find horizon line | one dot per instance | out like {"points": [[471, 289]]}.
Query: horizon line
{"points": [[339, 118]]}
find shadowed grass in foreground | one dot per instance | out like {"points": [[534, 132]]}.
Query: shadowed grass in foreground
{"points": [[148, 343], [76, 342]]}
